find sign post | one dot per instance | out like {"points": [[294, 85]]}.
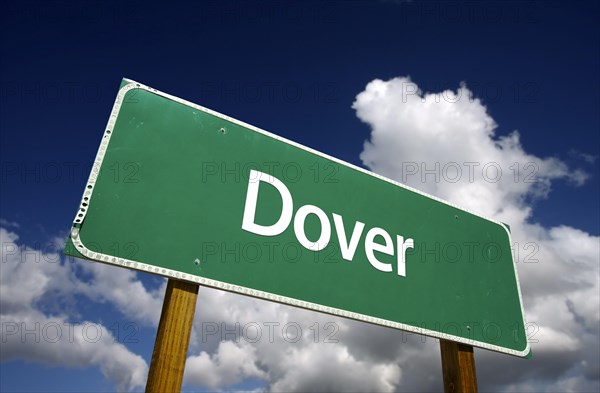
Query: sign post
{"points": [[172, 337], [458, 367], [198, 197]]}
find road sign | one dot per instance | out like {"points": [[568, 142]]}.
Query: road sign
{"points": [[184, 192]]}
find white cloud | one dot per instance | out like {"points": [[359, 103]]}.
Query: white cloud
{"points": [[586, 157], [36, 289], [317, 367], [445, 144], [8, 224], [231, 363], [290, 349], [415, 132], [125, 291], [54, 341]]}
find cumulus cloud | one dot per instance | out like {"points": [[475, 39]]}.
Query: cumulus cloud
{"points": [[37, 288], [332, 368], [54, 341], [446, 144], [232, 362], [289, 349], [123, 289]]}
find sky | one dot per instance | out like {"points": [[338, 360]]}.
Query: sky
{"points": [[387, 86]]}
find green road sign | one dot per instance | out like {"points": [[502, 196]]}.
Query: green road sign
{"points": [[184, 192]]}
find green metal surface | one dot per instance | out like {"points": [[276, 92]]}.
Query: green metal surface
{"points": [[171, 194]]}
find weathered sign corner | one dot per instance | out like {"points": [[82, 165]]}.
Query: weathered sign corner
{"points": [[126, 81], [71, 250]]}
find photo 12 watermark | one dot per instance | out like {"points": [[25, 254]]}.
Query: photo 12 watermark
{"points": [[67, 332], [253, 332]]}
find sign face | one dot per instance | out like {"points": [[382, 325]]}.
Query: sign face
{"points": [[181, 191]]}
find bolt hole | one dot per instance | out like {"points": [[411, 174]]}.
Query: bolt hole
{"points": [[222, 130], [89, 186], [456, 217], [108, 131]]}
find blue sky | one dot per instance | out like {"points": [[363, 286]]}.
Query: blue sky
{"points": [[295, 69]]}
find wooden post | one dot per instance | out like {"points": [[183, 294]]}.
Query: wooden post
{"points": [[172, 338], [458, 367]]}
